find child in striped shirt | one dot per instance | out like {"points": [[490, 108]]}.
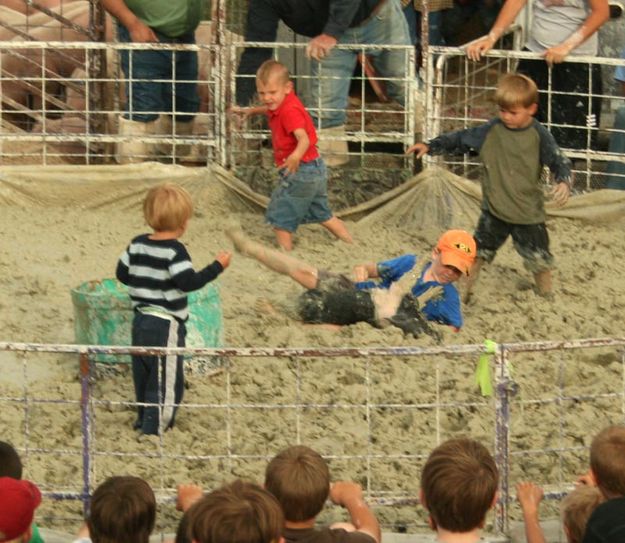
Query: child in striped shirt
{"points": [[157, 269]]}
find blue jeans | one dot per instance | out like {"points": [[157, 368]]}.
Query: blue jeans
{"points": [[300, 197], [435, 20], [154, 87], [616, 170], [332, 76]]}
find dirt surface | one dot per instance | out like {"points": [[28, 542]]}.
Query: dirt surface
{"points": [[375, 418]]}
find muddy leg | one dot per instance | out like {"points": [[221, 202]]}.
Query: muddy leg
{"points": [[471, 279], [305, 274], [543, 283]]}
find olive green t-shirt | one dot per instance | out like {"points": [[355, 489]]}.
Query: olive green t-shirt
{"points": [[512, 186], [170, 17]]}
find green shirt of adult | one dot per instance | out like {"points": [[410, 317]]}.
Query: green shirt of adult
{"points": [[172, 18]]}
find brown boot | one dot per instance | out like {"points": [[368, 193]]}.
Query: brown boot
{"points": [[543, 283], [471, 279]]}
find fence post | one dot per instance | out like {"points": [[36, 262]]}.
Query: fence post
{"points": [[85, 397], [503, 390]]}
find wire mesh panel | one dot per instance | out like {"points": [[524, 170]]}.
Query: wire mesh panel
{"points": [[57, 109], [374, 414], [461, 97], [373, 129]]}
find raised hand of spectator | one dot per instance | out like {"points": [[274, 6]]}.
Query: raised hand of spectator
{"points": [[188, 494]]}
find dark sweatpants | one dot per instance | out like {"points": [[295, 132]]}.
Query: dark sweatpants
{"points": [[152, 331]]}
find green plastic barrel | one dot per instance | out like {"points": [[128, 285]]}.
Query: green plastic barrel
{"points": [[103, 316]]}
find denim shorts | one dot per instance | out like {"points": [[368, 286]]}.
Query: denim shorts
{"points": [[300, 197]]}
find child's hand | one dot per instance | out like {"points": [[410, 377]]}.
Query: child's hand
{"points": [[239, 115], [187, 495], [560, 194], [529, 496], [223, 257], [360, 273], [344, 492], [291, 163], [419, 148]]}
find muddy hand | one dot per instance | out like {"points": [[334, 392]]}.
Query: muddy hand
{"points": [[429, 294]]}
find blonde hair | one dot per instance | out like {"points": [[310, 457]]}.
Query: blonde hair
{"points": [[607, 461], [576, 509], [270, 69], [516, 90], [167, 207], [300, 479]]}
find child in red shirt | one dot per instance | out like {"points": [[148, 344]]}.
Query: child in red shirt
{"points": [[302, 194]]}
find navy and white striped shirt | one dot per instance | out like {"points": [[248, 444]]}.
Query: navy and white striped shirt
{"points": [[159, 274]]}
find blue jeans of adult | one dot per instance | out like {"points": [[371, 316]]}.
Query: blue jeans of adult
{"points": [[616, 170], [332, 76], [160, 82], [435, 21]]}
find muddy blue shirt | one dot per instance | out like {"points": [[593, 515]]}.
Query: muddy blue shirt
{"points": [[513, 161], [444, 310]]}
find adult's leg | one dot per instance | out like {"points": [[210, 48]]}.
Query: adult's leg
{"points": [[329, 92], [389, 27], [305, 274], [144, 97]]}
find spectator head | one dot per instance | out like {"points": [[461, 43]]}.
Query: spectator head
{"points": [[607, 461], [300, 479], [459, 485], [18, 501], [272, 70], [167, 207], [514, 90], [236, 513], [576, 508], [10, 463], [122, 509]]}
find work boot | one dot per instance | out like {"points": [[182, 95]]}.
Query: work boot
{"points": [[134, 150], [334, 151], [183, 129]]}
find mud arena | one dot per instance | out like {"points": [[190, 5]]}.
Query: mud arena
{"points": [[374, 417], [67, 229]]}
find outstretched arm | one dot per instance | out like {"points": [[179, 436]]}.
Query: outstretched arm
{"points": [[599, 14], [530, 496], [507, 15], [349, 495]]}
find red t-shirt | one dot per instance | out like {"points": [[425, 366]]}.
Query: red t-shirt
{"points": [[289, 116]]}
